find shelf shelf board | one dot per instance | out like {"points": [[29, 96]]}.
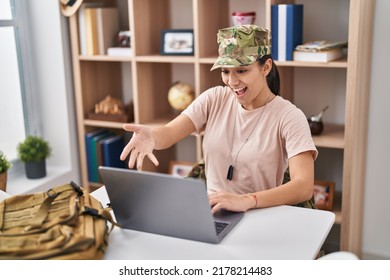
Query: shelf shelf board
{"points": [[166, 58], [341, 63], [208, 60], [105, 124], [105, 58], [331, 137]]}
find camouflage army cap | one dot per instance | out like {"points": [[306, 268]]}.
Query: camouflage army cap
{"points": [[241, 45]]}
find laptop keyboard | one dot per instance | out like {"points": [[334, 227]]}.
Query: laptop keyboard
{"points": [[219, 226]]}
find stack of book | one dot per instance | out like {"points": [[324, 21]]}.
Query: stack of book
{"points": [[98, 28], [103, 148], [320, 51], [286, 30]]}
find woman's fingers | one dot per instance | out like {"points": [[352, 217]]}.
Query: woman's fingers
{"points": [[126, 150], [141, 144], [153, 158], [132, 159]]}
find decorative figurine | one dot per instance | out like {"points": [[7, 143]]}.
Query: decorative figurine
{"points": [[110, 105]]}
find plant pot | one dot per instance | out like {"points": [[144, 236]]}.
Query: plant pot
{"points": [[3, 181], [35, 170]]}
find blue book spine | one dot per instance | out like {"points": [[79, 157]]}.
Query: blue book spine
{"points": [[94, 176], [274, 30], [287, 30], [89, 150], [112, 149], [294, 29]]}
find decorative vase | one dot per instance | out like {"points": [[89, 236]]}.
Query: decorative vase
{"points": [[35, 170], [3, 181]]}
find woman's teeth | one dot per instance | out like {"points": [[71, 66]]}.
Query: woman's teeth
{"points": [[240, 91]]}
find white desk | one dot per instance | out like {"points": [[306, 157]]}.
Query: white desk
{"points": [[283, 232]]}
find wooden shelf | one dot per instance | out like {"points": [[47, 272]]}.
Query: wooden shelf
{"points": [[105, 124], [331, 137], [105, 58], [341, 63], [165, 58]]}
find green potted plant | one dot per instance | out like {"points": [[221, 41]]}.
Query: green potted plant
{"points": [[4, 166], [33, 151]]}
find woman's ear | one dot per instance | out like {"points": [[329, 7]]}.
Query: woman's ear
{"points": [[267, 67]]}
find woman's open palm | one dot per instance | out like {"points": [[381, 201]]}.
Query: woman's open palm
{"points": [[141, 144]]}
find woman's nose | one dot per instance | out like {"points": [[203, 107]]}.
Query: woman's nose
{"points": [[233, 80]]}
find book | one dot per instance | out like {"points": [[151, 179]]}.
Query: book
{"points": [[315, 46], [82, 25], [118, 51], [107, 21], [91, 140], [319, 56], [111, 150], [91, 32], [287, 30], [82, 30], [88, 148]]}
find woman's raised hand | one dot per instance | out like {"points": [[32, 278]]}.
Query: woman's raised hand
{"points": [[141, 144]]}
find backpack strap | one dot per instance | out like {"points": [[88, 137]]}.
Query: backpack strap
{"points": [[43, 211], [103, 213]]}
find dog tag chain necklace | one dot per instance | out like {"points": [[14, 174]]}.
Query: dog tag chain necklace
{"points": [[230, 171]]}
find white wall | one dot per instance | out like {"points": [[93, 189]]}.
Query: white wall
{"points": [[48, 51], [376, 232]]}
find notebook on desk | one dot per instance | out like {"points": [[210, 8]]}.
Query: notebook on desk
{"points": [[164, 204]]}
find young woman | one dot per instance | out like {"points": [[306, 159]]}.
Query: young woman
{"points": [[251, 134]]}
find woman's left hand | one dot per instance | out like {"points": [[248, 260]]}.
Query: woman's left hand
{"points": [[231, 202]]}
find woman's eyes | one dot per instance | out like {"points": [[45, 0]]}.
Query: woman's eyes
{"points": [[239, 71]]}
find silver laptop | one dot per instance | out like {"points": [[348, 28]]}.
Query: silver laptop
{"points": [[164, 204]]}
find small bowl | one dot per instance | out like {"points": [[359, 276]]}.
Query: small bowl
{"points": [[240, 18]]}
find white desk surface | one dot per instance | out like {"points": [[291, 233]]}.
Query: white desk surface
{"points": [[275, 233]]}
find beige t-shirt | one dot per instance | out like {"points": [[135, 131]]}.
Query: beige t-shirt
{"points": [[280, 131]]}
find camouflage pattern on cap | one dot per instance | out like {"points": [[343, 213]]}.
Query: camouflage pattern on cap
{"points": [[241, 45]]}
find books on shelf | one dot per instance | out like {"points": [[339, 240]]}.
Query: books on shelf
{"points": [[91, 31], [111, 150], [320, 56], [314, 46], [103, 148], [98, 27], [319, 51], [91, 140], [286, 30]]}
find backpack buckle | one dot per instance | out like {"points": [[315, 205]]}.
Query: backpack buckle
{"points": [[91, 211], [76, 188], [52, 194]]}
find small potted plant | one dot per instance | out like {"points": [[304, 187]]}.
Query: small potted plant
{"points": [[33, 151], [4, 166]]}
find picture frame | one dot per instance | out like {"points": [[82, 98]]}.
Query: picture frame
{"points": [[177, 42], [324, 192], [180, 168]]}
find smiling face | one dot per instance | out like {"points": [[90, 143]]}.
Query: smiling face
{"points": [[249, 83]]}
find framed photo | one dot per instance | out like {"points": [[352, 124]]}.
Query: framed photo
{"points": [[177, 42], [180, 168], [324, 194]]}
